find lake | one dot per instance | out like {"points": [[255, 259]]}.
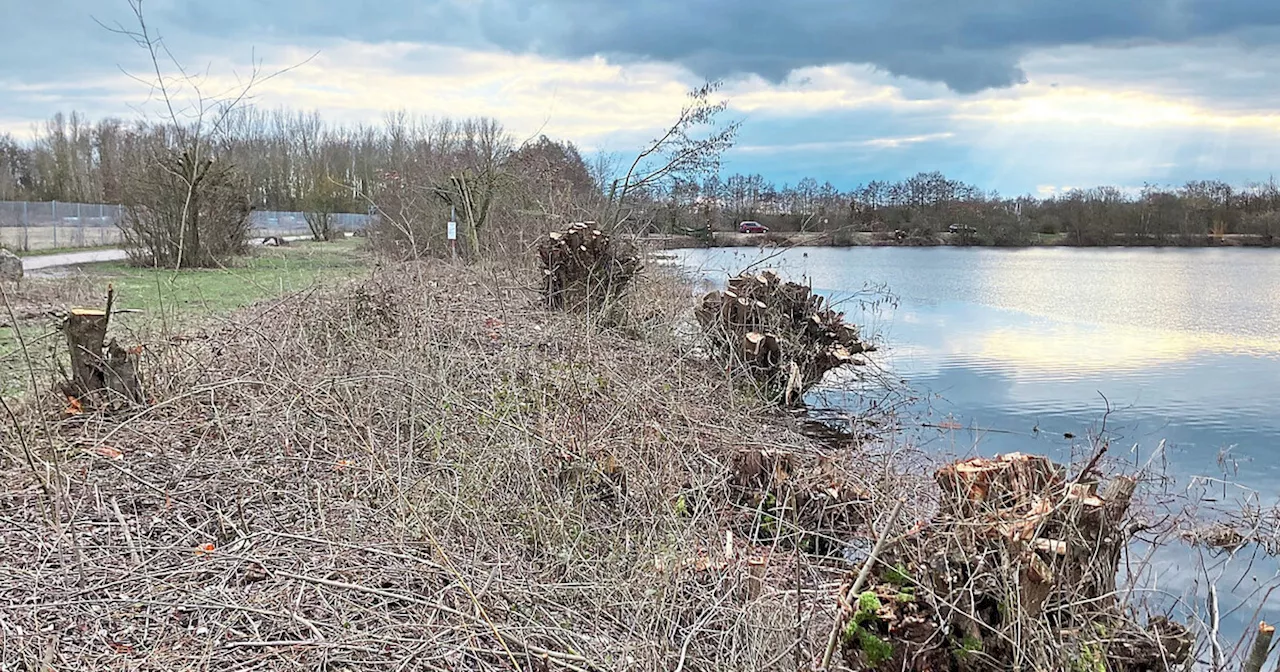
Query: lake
{"points": [[1026, 350]]}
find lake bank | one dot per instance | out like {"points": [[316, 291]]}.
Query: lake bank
{"points": [[428, 454], [1170, 356], [846, 238]]}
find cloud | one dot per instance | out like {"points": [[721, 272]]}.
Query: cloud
{"points": [[1110, 92], [969, 45]]}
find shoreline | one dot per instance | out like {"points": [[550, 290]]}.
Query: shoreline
{"points": [[887, 239]]}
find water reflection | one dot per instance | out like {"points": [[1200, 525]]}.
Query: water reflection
{"points": [[1027, 348]]}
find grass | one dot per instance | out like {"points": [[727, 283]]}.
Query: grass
{"points": [[267, 273], [169, 301]]}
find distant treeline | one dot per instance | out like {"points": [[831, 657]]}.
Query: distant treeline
{"points": [[294, 161], [411, 169], [930, 203], [287, 156]]}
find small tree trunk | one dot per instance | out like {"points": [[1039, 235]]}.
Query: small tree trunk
{"points": [[1261, 648]]}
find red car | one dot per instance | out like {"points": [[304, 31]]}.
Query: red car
{"points": [[752, 227]]}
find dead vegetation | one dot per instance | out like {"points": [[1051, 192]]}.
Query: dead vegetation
{"points": [[426, 469]]}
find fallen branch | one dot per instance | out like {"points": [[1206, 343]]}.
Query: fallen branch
{"points": [[834, 638]]}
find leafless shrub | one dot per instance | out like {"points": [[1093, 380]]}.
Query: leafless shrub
{"points": [[185, 206], [182, 210]]}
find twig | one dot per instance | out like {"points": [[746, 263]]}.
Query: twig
{"points": [[516, 641], [1214, 645], [128, 536], [834, 638]]}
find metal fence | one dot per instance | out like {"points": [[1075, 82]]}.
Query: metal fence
{"points": [[42, 226], [265, 223], [31, 226]]}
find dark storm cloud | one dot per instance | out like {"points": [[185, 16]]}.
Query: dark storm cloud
{"points": [[969, 45]]}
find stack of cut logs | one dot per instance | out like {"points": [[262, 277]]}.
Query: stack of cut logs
{"points": [[1064, 536], [1014, 528], [583, 267], [780, 330]]}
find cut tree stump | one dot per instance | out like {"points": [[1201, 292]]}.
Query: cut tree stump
{"points": [[583, 267], [86, 331], [103, 375]]}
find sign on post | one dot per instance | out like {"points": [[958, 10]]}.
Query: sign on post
{"points": [[453, 230]]}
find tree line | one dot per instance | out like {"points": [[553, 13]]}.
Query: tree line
{"points": [[416, 172], [413, 171], [929, 203]]}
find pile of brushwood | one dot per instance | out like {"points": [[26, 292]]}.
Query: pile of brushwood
{"points": [[779, 331], [420, 469], [1016, 570], [585, 268]]}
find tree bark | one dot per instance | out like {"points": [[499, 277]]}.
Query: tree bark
{"points": [[86, 331]]}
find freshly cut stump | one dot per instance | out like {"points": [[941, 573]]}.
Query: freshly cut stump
{"points": [[103, 375]]}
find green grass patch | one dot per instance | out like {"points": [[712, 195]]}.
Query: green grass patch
{"points": [[169, 300], [267, 273]]}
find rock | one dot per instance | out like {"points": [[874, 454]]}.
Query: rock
{"points": [[10, 266]]}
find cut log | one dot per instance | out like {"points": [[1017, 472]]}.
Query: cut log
{"points": [[1261, 648], [810, 340], [980, 484], [584, 268]]}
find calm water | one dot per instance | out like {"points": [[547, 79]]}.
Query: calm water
{"points": [[1021, 347]]}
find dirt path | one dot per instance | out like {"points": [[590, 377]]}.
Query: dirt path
{"points": [[44, 261]]}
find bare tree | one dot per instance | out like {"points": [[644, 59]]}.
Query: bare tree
{"points": [[691, 147], [195, 118]]}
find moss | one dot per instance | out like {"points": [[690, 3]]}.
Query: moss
{"points": [[969, 645], [849, 636], [897, 575], [877, 650], [868, 607], [871, 645], [1090, 659]]}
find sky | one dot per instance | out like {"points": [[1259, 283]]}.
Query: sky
{"points": [[1018, 96]]}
